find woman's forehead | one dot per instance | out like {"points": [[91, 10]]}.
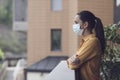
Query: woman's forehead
{"points": [[76, 18]]}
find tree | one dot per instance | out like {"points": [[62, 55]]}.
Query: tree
{"points": [[110, 65]]}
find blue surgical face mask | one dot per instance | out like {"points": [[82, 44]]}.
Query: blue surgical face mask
{"points": [[77, 29]]}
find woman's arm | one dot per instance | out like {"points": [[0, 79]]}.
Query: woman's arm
{"points": [[86, 52]]}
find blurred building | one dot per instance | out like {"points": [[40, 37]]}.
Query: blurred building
{"points": [[50, 25], [116, 11], [20, 15]]}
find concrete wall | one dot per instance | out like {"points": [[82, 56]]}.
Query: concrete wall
{"points": [[36, 76]]}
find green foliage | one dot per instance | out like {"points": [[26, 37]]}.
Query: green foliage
{"points": [[14, 42], [110, 65], [111, 33], [1, 54], [6, 12]]}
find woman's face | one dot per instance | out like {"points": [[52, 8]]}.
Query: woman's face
{"points": [[78, 21], [83, 25]]}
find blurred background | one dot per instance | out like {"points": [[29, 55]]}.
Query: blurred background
{"points": [[36, 35], [13, 41]]}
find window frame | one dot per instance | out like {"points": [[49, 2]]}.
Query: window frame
{"points": [[52, 34], [56, 8]]}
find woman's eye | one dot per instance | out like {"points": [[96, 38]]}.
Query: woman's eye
{"points": [[76, 22]]}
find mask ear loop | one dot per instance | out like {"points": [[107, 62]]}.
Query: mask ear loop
{"points": [[95, 22], [94, 26]]}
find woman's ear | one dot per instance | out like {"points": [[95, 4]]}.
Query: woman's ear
{"points": [[85, 24]]}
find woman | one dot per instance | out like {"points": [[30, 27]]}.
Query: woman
{"points": [[87, 58]]}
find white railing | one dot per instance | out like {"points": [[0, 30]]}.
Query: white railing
{"points": [[3, 70], [18, 71], [61, 72]]}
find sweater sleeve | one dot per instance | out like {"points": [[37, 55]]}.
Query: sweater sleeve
{"points": [[86, 52]]}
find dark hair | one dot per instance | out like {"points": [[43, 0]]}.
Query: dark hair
{"points": [[94, 23]]}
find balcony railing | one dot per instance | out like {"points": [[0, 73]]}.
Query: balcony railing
{"points": [[61, 72]]}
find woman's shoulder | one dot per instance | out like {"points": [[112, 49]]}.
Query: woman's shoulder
{"points": [[94, 39]]}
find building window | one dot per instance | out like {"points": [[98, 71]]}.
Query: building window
{"points": [[20, 15], [20, 10], [56, 5], [55, 39]]}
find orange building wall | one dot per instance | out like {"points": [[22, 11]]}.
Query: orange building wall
{"points": [[41, 20], [104, 9]]}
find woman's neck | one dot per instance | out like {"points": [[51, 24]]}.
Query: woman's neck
{"points": [[86, 32]]}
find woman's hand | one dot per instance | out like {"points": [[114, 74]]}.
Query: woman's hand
{"points": [[74, 60]]}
